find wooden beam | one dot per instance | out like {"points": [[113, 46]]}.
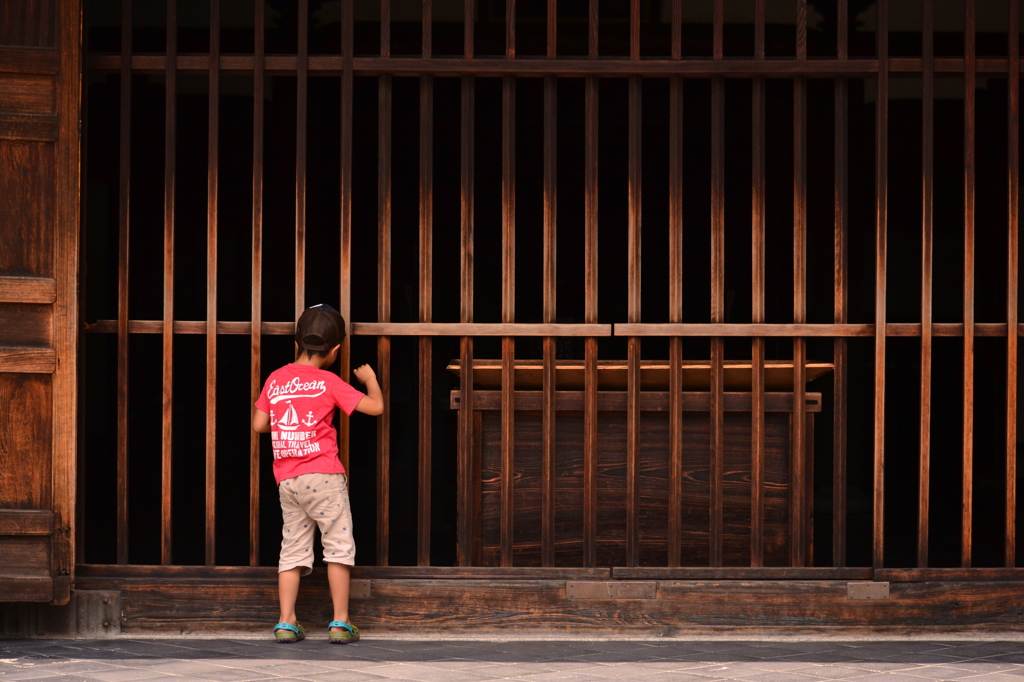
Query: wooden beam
{"points": [[650, 401], [123, 231], [550, 261], [345, 226], [508, 271], [256, 339], [970, 85], [1012, 280], [301, 123], [467, 216], [799, 518], [840, 286], [426, 277], [565, 66], [28, 360], [384, 205], [881, 218], [927, 204], [167, 355], [212, 184], [633, 297], [17, 289]]}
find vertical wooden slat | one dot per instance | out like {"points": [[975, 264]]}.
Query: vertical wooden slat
{"points": [[124, 172], [345, 250], [757, 304], [211, 283], [508, 288], [633, 305], [510, 29], [213, 169], [68, 267], [590, 302], [302, 84], [970, 74], [384, 289], [426, 297], [798, 479], [927, 186], [78, 537], [468, 26], [549, 312], [677, 29], [675, 297], [167, 369], [881, 224], [256, 339], [717, 297], [839, 316], [465, 467], [1013, 163], [385, 28]]}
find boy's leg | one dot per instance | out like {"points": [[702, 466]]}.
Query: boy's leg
{"points": [[338, 577], [288, 592], [296, 549]]}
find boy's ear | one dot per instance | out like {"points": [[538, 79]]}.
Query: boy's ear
{"points": [[336, 350]]}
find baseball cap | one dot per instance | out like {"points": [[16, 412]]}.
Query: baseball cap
{"points": [[319, 329]]}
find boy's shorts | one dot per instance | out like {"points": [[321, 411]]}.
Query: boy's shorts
{"points": [[320, 498]]}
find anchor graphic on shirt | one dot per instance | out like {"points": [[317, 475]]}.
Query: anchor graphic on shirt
{"points": [[310, 420], [290, 420]]}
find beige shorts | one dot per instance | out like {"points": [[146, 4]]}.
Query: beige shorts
{"points": [[311, 500]]}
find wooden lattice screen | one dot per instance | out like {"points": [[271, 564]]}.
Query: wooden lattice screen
{"points": [[552, 67]]}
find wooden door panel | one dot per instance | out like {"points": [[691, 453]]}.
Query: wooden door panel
{"points": [[25, 546], [27, 202], [39, 185], [26, 324], [26, 441]]}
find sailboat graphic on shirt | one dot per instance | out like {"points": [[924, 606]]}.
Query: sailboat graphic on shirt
{"points": [[290, 420]]}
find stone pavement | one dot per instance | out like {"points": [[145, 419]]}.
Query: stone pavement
{"points": [[454, 660]]}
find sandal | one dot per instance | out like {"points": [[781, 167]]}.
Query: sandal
{"points": [[347, 634], [286, 633]]}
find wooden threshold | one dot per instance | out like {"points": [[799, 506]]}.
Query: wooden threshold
{"points": [[200, 600]]}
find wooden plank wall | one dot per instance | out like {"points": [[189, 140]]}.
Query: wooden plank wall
{"points": [[552, 67], [39, 204]]}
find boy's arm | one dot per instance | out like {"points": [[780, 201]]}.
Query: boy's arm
{"points": [[373, 402], [260, 421]]}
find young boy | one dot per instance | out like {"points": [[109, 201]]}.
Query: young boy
{"points": [[296, 407]]}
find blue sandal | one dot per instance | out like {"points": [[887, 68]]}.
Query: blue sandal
{"points": [[286, 633], [347, 634]]}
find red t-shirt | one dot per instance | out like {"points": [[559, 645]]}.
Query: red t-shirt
{"points": [[300, 400]]}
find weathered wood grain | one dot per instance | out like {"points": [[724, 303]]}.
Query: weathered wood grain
{"points": [[652, 494], [30, 94], [30, 397], [26, 521], [154, 605]]}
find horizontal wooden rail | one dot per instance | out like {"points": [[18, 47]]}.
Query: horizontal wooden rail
{"points": [[28, 360], [28, 127], [26, 521], [191, 327], [937, 575], [29, 60], [499, 66], [741, 573], [477, 329], [367, 328], [650, 401], [28, 290], [900, 329], [146, 572], [804, 330]]}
